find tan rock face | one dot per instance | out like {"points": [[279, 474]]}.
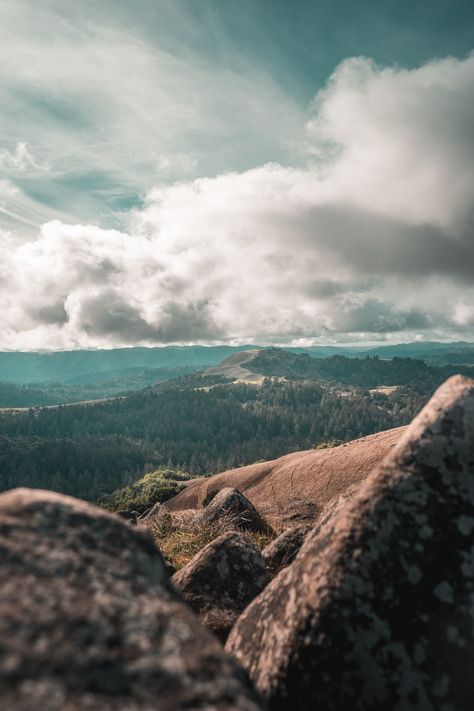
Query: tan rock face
{"points": [[88, 619], [222, 580], [298, 486], [377, 611]]}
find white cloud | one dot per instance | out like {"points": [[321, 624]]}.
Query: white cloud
{"points": [[375, 242], [404, 138]]}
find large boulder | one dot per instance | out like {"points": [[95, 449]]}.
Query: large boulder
{"points": [[231, 509], [222, 579], [89, 620], [283, 549], [377, 610]]}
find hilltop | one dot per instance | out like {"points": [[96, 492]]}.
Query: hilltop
{"points": [[370, 371], [237, 368], [39, 379]]}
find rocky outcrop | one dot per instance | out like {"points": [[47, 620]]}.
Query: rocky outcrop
{"points": [[376, 611], [89, 620], [282, 551], [231, 509], [221, 580], [298, 486]]}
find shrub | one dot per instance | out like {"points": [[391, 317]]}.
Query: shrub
{"points": [[154, 487], [329, 445]]}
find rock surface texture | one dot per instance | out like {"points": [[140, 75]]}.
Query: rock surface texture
{"points": [[222, 580], [88, 619], [298, 486], [282, 551], [377, 610], [230, 508]]}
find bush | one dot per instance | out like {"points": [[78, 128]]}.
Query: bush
{"points": [[329, 445], [154, 487]]}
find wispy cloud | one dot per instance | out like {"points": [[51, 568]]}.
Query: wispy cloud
{"points": [[112, 114]]}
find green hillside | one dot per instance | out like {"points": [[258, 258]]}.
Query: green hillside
{"points": [[202, 424]]}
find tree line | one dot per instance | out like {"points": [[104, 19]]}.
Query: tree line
{"points": [[89, 451]]}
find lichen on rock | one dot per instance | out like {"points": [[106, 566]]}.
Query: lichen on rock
{"points": [[376, 612]]}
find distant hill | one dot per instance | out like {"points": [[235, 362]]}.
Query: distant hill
{"points": [[370, 371], [429, 351], [435, 353], [88, 366]]}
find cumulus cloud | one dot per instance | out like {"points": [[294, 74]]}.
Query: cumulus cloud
{"points": [[371, 239]]}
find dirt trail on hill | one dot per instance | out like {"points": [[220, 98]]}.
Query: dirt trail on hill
{"points": [[279, 487], [234, 367]]}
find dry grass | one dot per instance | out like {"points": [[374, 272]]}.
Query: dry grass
{"points": [[182, 535]]}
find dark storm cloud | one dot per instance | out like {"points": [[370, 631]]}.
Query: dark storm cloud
{"points": [[108, 314], [51, 313], [377, 317], [371, 244]]}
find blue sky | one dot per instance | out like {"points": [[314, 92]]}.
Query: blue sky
{"points": [[212, 149]]}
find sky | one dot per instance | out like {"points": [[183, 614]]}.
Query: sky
{"points": [[235, 171]]}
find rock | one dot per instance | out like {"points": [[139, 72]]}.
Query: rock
{"points": [[278, 488], [130, 516], [231, 509], [221, 580], [156, 514], [89, 620], [281, 551], [376, 611]]}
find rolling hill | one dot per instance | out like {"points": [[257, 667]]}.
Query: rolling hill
{"points": [[88, 366]]}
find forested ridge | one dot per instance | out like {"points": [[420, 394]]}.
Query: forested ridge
{"points": [[370, 371], [195, 426], [88, 451]]}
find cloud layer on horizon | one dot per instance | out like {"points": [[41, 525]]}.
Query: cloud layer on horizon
{"points": [[371, 239]]}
